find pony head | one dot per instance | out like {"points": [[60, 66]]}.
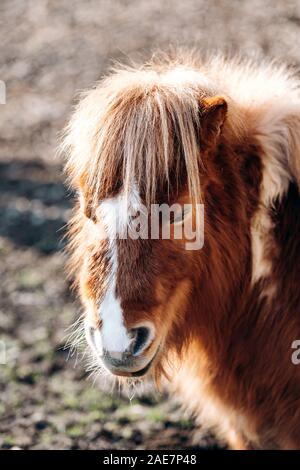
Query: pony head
{"points": [[138, 145]]}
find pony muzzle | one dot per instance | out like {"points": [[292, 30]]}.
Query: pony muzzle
{"points": [[135, 360]]}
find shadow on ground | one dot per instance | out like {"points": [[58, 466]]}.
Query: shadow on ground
{"points": [[34, 207]]}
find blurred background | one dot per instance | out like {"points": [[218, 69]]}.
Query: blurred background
{"points": [[49, 51]]}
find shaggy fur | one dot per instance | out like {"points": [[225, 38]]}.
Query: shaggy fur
{"points": [[227, 133]]}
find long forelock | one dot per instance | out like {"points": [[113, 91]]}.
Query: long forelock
{"points": [[142, 140]]}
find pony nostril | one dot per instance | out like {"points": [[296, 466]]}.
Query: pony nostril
{"points": [[141, 338]]}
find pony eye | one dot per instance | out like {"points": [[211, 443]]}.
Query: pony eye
{"points": [[178, 218], [181, 215]]}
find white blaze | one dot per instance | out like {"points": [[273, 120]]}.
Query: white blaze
{"points": [[114, 215]]}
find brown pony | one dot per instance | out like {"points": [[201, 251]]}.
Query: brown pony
{"points": [[217, 323]]}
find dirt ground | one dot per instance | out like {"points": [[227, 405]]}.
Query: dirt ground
{"points": [[50, 50]]}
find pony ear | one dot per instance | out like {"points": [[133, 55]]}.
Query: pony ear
{"points": [[213, 111]]}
